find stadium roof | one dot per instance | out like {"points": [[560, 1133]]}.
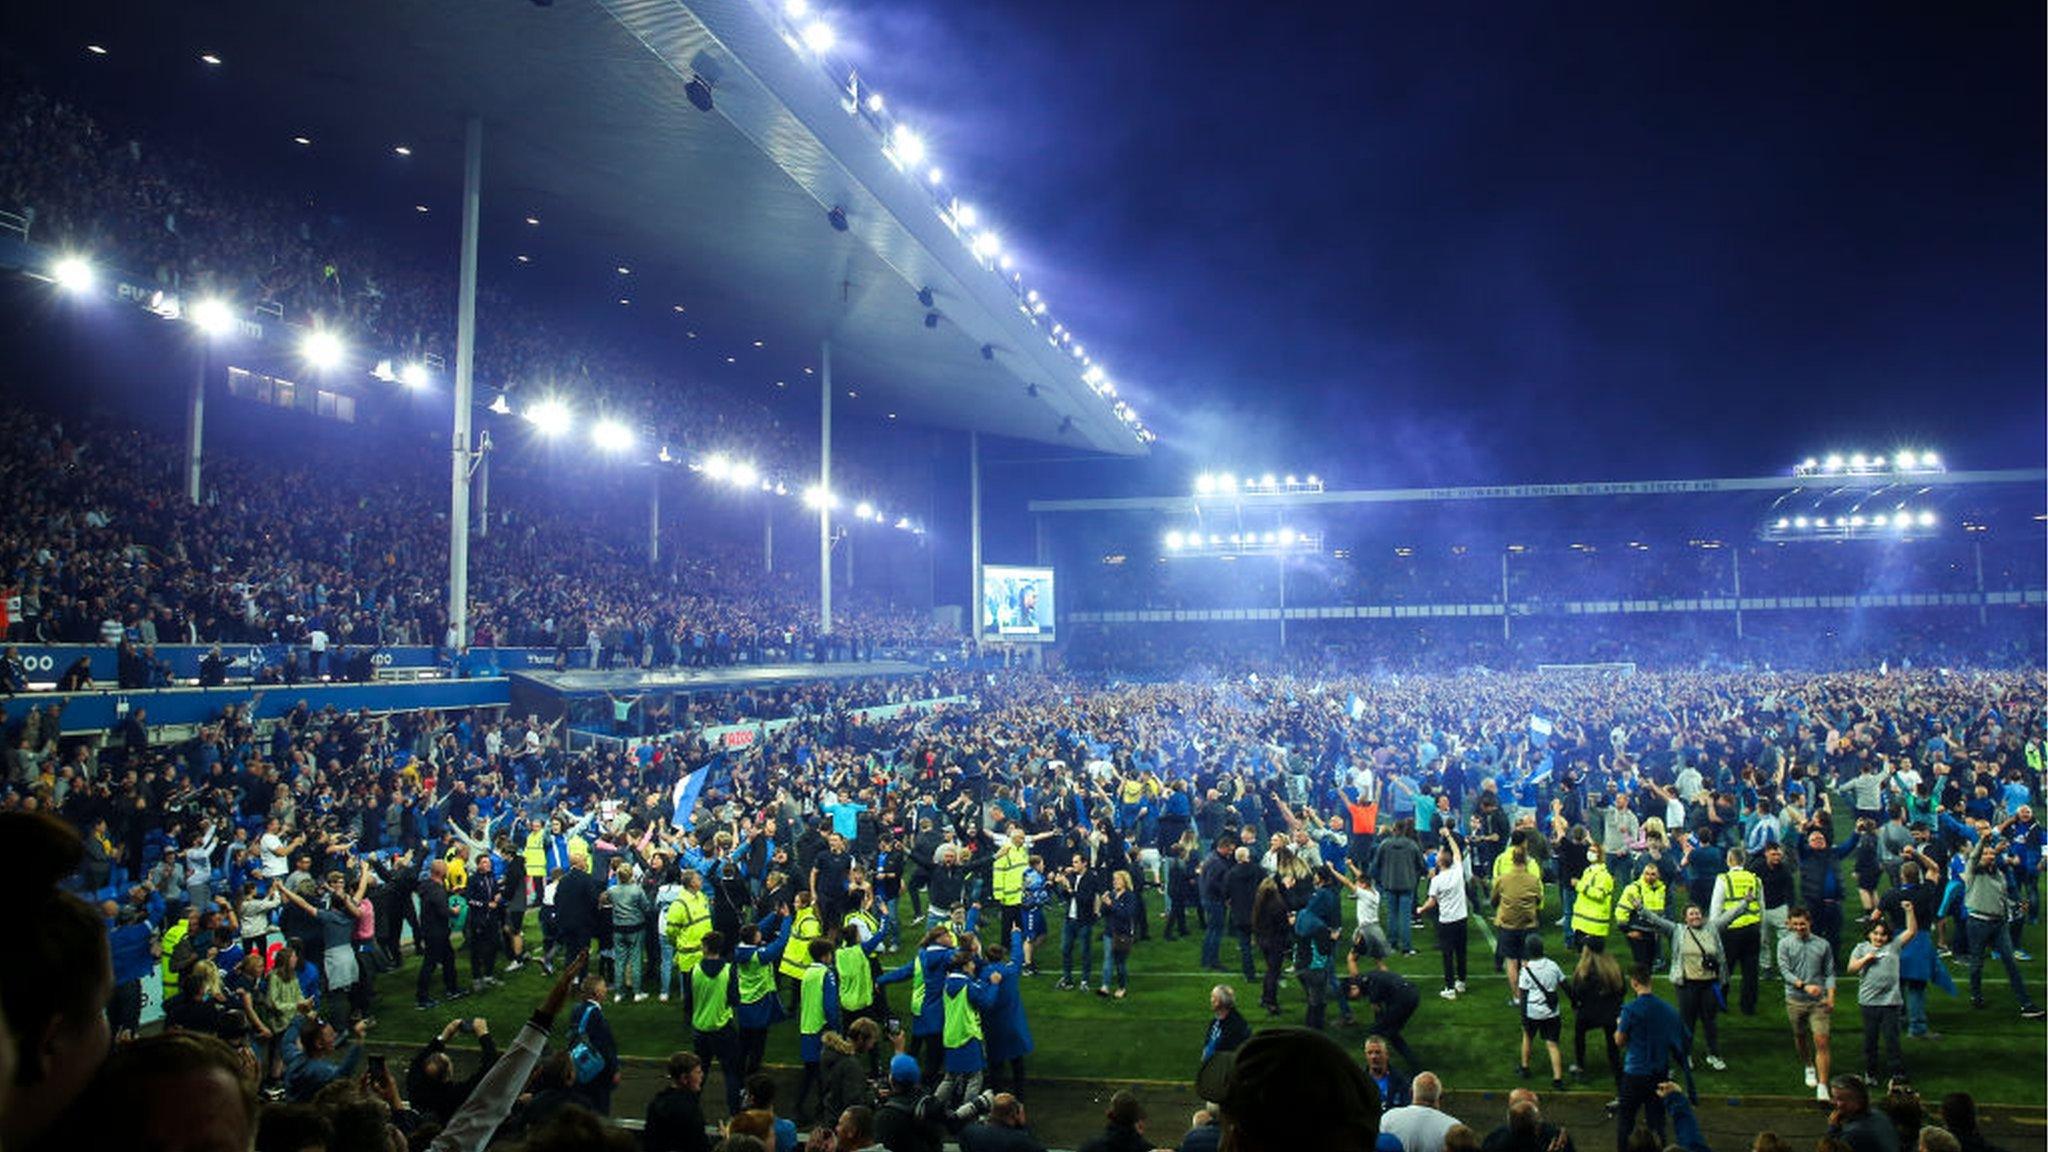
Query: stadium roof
{"points": [[584, 108]]}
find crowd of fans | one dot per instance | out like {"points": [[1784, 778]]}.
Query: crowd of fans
{"points": [[98, 548], [197, 228], [1712, 827]]}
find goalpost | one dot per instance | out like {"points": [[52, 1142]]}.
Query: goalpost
{"points": [[1618, 668]]}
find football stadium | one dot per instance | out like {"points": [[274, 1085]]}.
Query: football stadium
{"points": [[774, 574]]}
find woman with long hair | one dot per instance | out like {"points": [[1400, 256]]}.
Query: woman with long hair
{"points": [[56, 976], [1596, 990], [1120, 912]]}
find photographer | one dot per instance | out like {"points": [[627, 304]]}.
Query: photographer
{"points": [[430, 1081]]}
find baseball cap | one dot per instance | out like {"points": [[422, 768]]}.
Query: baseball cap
{"points": [[1294, 1087], [903, 1069]]}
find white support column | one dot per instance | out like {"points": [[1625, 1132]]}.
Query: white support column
{"points": [[1283, 599], [825, 488], [1735, 559], [654, 516], [1983, 608], [974, 535], [1504, 626], [465, 365], [196, 425], [767, 537]]}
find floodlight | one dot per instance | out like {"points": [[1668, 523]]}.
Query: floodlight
{"points": [[1783, 523], [909, 145], [1226, 482], [935, 175], [988, 245], [1810, 464], [745, 475], [611, 436], [1904, 461], [1929, 460], [1271, 538], [501, 406], [1205, 484], [1859, 460], [1799, 521], [816, 497], [213, 316], [864, 510], [321, 348], [1313, 482], [819, 37], [903, 522], [74, 274], [413, 375], [1287, 537], [1237, 537], [1174, 540], [875, 101], [1267, 481], [1902, 521], [965, 215], [797, 9], [1855, 521], [1291, 481], [717, 467], [549, 417], [1841, 521], [210, 59], [1927, 519], [1834, 462]]}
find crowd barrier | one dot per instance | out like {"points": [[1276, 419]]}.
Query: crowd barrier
{"points": [[98, 711]]}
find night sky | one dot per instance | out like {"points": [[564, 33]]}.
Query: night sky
{"points": [[1405, 244], [1419, 243]]}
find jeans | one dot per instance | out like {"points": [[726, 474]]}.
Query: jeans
{"points": [[627, 946], [1245, 953], [1074, 935], [1401, 920], [666, 974], [1881, 1022], [1276, 959], [1212, 940], [1698, 1005], [1315, 988], [1986, 935], [1639, 1094], [1451, 942], [1113, 963], [1916, 1006]]}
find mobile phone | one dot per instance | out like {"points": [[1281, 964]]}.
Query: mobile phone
{"points": [[376, 1065]]}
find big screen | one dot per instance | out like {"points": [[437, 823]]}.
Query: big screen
{"points": [[1016, 604]]}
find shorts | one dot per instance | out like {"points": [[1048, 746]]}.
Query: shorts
{"points": [[1810, 1019], [1370, 942], [1541, 1029], [1032, 921], [1511, 942]]}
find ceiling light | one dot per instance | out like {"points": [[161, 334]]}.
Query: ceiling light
{"points": [[874, 101], [909, 145], [213, 316], [322, 349], [611, 436], [402, 150], [419, 207], [964, 215], [74, 274], [819, 37], [413, 375], [209, 58], [796, 9], [625, 271], [534, 220], [301, 141], [549, 417], [95, 49], [935, 175]]}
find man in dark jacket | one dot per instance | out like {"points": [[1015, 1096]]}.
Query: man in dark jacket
{"points": [[576, 908], [430, 1082], [1227, 1027], [675, 1117], [1241, 889], [1526, 1129], [1209, 886], [437, 924], [1005, 1129], [908, 1120]]}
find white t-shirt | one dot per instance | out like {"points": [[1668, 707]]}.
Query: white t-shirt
{"points": [[1367, 902], [1546, 975], [271, 849], [1448, 890], [1419, 1128]]}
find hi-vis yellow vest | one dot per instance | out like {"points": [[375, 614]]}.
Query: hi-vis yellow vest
{"points": [[1008, 879], [689, 921], [796, 955], [1593, 911], [1737, 883]]}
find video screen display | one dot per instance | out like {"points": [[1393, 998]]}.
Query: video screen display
{"points": [[1016, 604]]}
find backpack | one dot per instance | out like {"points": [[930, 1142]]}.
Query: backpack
{"points": [[587, 1060]]}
